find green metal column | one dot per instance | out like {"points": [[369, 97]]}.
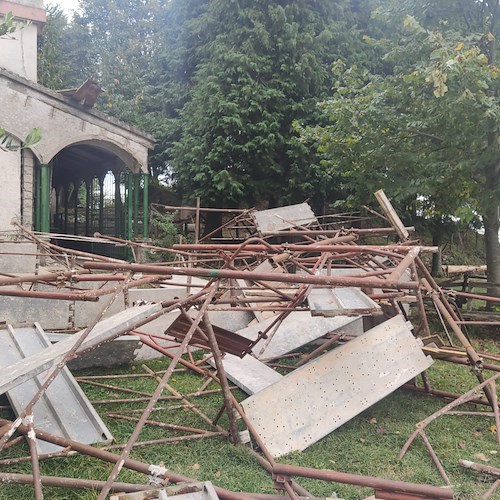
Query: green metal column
{"points": [[137, 187], [37, 199], [101, 204], [145, 206], [66, 208], [76, 186], [45, 197], [88, 207], [130, 195], [119, 219]]}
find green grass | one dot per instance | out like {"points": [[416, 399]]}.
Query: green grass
{"points": [[368, 444]]}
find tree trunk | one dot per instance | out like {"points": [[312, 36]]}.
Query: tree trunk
{"points": [[437, 240], [492, 216], [492, 244]]}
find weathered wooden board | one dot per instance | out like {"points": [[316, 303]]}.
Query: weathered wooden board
{"points": [[319, 397]]}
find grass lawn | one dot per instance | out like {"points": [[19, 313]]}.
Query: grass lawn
{"points": [[369, 444]]}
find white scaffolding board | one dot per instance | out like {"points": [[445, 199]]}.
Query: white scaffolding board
{"points": [[319, 397]]}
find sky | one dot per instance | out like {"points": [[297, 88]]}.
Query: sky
{"points": [[66, 5]]}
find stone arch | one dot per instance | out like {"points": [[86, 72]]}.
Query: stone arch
{"points": [[131, 162], [95, 186]]}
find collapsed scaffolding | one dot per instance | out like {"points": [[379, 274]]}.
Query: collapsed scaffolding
{"points": [[320, 284]]}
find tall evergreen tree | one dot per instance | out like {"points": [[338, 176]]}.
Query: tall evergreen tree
{"points": [[261, 65]]}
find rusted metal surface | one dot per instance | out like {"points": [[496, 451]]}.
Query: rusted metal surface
{"points": [[402, 488], [420, 431], [228, 341], [66, 482], [341, 281], [391, 275]]}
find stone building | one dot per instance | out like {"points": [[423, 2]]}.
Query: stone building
{"points": [[88, 172]]}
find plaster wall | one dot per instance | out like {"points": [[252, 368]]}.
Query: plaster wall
{"points": [[24, 106], [18, 51], [10, 206]]}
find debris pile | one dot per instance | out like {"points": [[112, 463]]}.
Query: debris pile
{"points": [[291, 283]]}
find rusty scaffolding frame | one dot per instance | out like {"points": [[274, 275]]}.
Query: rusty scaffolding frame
{"points": [[391, 275]]}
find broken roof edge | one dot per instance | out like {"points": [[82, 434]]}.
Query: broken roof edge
{"points": [[55, 95]]}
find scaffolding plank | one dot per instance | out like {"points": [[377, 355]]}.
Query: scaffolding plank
{"points": [[181, 491], [120, 351], [228, 341], [248, 373], [63, 410], [342, 301], [104, 330], [281, 218], [320, 396], [298, 329]]}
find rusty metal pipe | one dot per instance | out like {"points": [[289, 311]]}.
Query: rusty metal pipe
{"points": [[254, 276], [471, 353], [268, 467], [487, 298], [186, 402], [377, 231], [35, 464], [443, 394], [50, 295], [66, 482], [135, 434], [35, 278], [170, 440], [135, 465], [318, 247], [63, 250], [221, 375], [407, 261], [367, 481]]}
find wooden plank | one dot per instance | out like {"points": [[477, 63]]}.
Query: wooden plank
{"points": [[320, 396], [391, 214]]}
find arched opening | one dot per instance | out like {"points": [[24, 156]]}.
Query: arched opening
{"points": [[88, 188]]}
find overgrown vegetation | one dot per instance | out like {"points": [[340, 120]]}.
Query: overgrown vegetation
{"points": [[164, 231]]}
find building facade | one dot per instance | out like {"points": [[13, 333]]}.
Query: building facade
{"points": [[88, 172]]}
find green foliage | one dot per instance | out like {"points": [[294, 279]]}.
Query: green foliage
{"points": [[54, 59], [218, 83], [7, 25], [121, 43], [423, 131], [9, 143], [163, 229], [261, 66]]}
